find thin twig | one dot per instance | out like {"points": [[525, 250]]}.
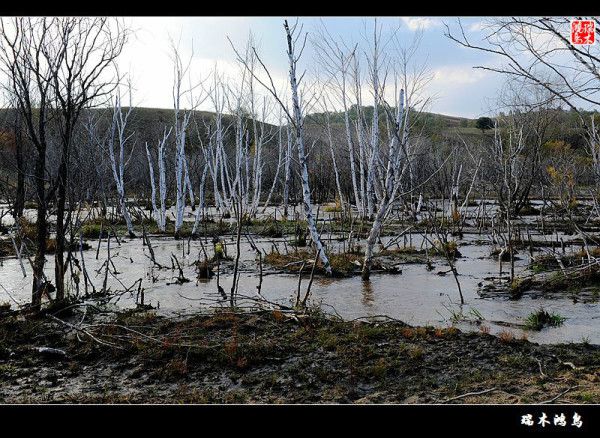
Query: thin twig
{"points": [[559, 395], [469, 394]]}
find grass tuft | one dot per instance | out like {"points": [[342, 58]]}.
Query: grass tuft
{"points": [[541, 318]]}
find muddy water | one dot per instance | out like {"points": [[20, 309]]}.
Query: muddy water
{"points": [[418, 296], [189, 216]]}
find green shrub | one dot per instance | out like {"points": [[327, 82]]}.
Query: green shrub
{"points": [[92, 231]]}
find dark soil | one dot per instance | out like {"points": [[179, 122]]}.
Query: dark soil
{"points": [[270, 357]]}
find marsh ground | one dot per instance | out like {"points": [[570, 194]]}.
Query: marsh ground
{"points": [[268, 357]]}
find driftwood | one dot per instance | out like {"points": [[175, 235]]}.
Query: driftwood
{"points": [[181, 278], [49, 352]]}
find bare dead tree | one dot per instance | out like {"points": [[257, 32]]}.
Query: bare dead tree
{"points": [[160, 216], [390, 164], [295, 36], [83, 76], [29, 82], [57, 67], [118, 134], [182, 119]]}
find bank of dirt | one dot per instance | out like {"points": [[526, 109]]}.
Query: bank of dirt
{"points": [[270, 357]]}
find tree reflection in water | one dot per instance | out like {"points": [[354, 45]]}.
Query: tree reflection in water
{"points": [[368, 295]]}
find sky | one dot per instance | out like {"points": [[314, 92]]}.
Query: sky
{"points": [[456, 87]]}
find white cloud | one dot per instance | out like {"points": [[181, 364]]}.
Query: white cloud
{"points": [[459, 89], [148, 56], [546, 40], [478, 26], [421, 23], [456, 75]]}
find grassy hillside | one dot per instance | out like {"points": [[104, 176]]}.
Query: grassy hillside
{"points": [[148, 123], [426, 122]]}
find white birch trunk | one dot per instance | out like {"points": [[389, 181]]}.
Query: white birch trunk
{"points": [[188, 183], [200, 209], [155, 212], [180, 138], [360, 135], [357, 198], [117, 134], [335, 167], [160, 216], [162, 182], [277, 171], [299, 127], [374, 158], [389, 190], [288, 168], [454, 196]]}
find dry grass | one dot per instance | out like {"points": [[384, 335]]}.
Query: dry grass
{"points": [[341, 264], [506, 336]]}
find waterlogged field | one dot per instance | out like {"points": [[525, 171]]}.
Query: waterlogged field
{"points": [[416, 294]]}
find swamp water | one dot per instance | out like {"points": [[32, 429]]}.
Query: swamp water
{"points": [[417, 296]]}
